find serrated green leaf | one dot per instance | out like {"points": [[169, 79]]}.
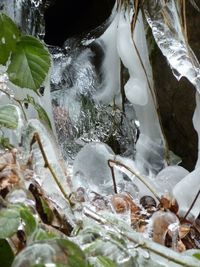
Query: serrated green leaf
{"points": [[40, 110], [9, 116], [30, 63], [29, 220], [9, 222], [6, 253], [9, 34], [105, 262]]}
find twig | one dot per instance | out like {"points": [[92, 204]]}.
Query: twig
{"points": [[134, 20], [143, 243], [166, 155], [184, 19], [113, 177], [36, 138], [192, 205], [141, 178]]}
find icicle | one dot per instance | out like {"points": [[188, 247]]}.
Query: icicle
{"points": [[134, 55], [186, 192], [164, 19], [110, 90]]}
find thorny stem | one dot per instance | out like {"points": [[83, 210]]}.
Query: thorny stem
{"points": [[16, 100], [141, 178], [192, 205], [36, 138], [140, 243]]}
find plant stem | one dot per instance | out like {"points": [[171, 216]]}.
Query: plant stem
{"points": [[142, 242], [113, 177], [141, 178], [192, 205], [36, 138]]}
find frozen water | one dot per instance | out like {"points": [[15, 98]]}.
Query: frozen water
{"points": [[91, 169], [196, 119], [166, 179], [42, 174], [136, 91], [110, 89], [54, 253], [139, 93], [27, 14], [77, 81], [185, 193], [171, 40]]}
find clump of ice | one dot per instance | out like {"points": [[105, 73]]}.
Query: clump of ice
{"points": [[168, 177], [91, 169], [186, 191]]}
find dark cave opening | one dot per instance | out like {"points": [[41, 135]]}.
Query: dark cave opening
{"points": [[67, 18]]}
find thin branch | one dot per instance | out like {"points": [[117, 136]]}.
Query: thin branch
{"points": [[141, 178], [192, 205], [136, 10], [36, 138], [142, 242], [113, 177], [166, 156], [184, 19]]}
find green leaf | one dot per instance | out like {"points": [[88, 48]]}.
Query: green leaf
{"points": [[105, 262], [5, 143], [41, 234], [197, 255], [30, 222], [75, 255], [9, 116], [30, 63], [6, 253], [9, 222], [9, 34], [41, 112]]}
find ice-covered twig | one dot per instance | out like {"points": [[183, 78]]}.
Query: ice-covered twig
{"points": [[36, 138], [143, 243], [111, 163]]}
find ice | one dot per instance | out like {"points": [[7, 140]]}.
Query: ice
{"points": [[171, 40], [166, 179], [78, 79], [19, 195], [109, 91], [42, 174], [162, 221], [196, 118], [135, 91], [139, 92], [91, 170], [27, 14], [186, 191], [54, 253]]}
